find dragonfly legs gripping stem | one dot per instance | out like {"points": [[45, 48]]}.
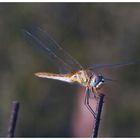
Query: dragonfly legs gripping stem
{"points": [[88, 105], [94, 91]]}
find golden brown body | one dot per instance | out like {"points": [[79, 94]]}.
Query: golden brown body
{"points": [[80, 77]]}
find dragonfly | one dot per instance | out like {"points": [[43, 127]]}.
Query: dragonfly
{"points": [[71, 70]]}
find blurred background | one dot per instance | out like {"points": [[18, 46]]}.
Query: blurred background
{"points": [[93, 33]]}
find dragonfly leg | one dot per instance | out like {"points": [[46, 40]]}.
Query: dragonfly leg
{"points": [[87, 103], [94, 91]]}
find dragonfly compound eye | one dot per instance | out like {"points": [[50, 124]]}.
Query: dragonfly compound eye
{"points": [[103, 79]]}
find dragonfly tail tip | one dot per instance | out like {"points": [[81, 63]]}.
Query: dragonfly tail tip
{"points": [[37, 74]]}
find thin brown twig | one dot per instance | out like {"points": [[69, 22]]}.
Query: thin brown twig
{"points": [[13, 119], [98, 115]]}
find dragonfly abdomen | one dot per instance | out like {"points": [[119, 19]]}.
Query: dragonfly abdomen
{"points": [[60, 77]]}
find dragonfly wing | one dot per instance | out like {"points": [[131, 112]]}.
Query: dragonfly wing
{"points": [[60, 77], [115, 65], [56, 54]]}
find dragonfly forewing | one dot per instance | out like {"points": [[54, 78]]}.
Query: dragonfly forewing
{"points": [[114, 65], [55, 53]]}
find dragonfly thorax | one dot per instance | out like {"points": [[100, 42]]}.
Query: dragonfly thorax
{"points": [[80, 77], [96, 81]]}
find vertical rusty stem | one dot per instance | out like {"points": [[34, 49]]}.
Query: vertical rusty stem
{"points": [[98, 115], [13, 119]]}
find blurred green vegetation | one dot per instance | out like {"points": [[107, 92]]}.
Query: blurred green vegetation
{"points": [[92, 33]]}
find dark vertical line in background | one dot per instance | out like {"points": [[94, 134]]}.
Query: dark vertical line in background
{"points": [[13, 119]]}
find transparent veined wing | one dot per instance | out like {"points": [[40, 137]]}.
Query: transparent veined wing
{"points": [[114, 65], [55, 53]]}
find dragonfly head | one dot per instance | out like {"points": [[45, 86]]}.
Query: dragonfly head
{"points": [[97, 81]]}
